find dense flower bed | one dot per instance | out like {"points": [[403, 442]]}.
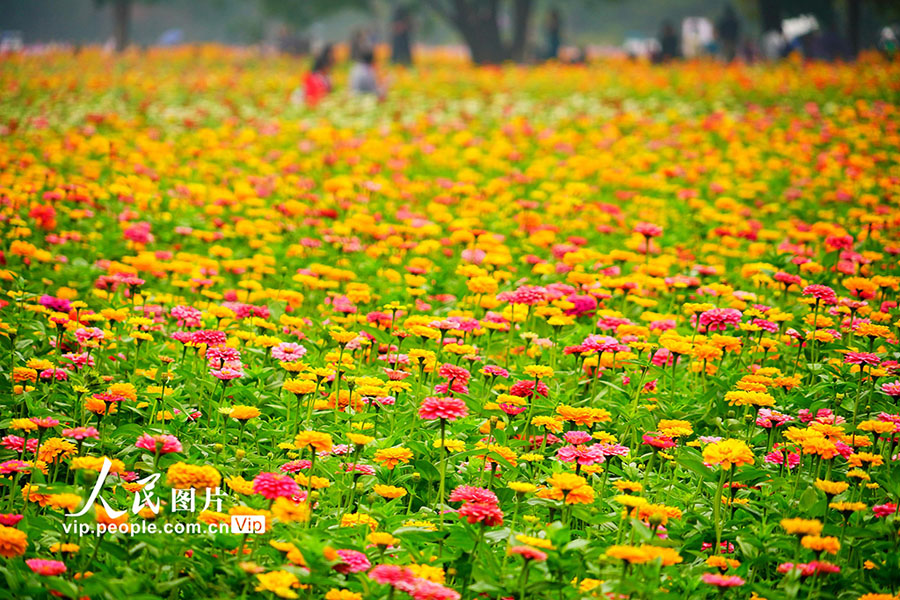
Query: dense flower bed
{"points": [[563, 332]]}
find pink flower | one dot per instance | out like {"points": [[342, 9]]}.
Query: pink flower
{"points": [[10, 519], [657, 440], [187, 316], [399, 578], [14, 466], [45, 422], [511, 409], [481, 512], [768, 418], [359, 468], [210, 337], [288, 352], [295, 466], [892, 389], [274, 485], [81, 433], [777, 458], [861, 358], [429, 590], [884, 510], [821, 293], [16, 443], [446, 408], [159, 444], [525, 389], [495, 371], [470, 493], [603, 343], [648, 230], [577, 437], [724, 581], [227, 373], [220, 356], [46, 567], [452, 372], [529, 553], [352, 561], [719, 319], [528, 294]]}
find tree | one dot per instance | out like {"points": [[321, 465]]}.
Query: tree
{"points": [[121, 12], [477, 22]]}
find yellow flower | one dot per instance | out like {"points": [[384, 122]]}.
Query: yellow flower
{"points": [[182, 476], [536, 542], [342, 594], [521, 487], [321, 442], [674, 428], [355, 519], [728, 453], [802, 526], [382, 538], [428, 572], [287, 511], [538, 371], [299, 386], [359, 439], [832, 488], [389, 491], [242, 412], [391, 457], [818, 543], [281, 583], [23, 424], [13, 542]]}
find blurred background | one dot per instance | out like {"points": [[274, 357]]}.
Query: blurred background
{"points": [[488, 31]]}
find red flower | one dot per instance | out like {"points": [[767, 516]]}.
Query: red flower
{"points": [[447, 408], [480, 512]]}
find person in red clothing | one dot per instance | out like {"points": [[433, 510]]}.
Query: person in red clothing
{"points": [[317, 83]]}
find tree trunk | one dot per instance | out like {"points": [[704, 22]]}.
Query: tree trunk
{"points": [[853, 10], [483, 33], [476, 21], [521, 19], [770, 15], [121, 23]]}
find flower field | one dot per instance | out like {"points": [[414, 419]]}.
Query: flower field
{"points": [[560, 332]]}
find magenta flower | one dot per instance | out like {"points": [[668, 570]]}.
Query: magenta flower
{"points": [[159, 444], [274, 485], [352, 562], [288, 352], [46, 567], [10, 519], [481, 512], [447, 408], [648, 230], [722, 581], [822, 293], [470, 493]]}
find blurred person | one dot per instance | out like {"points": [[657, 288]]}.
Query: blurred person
{"points": [[317, 83], [668, 43], [363, 77], [834, 46], [401, 34], [728, 29], [360, 43], [553, 34], [887, 42]]}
